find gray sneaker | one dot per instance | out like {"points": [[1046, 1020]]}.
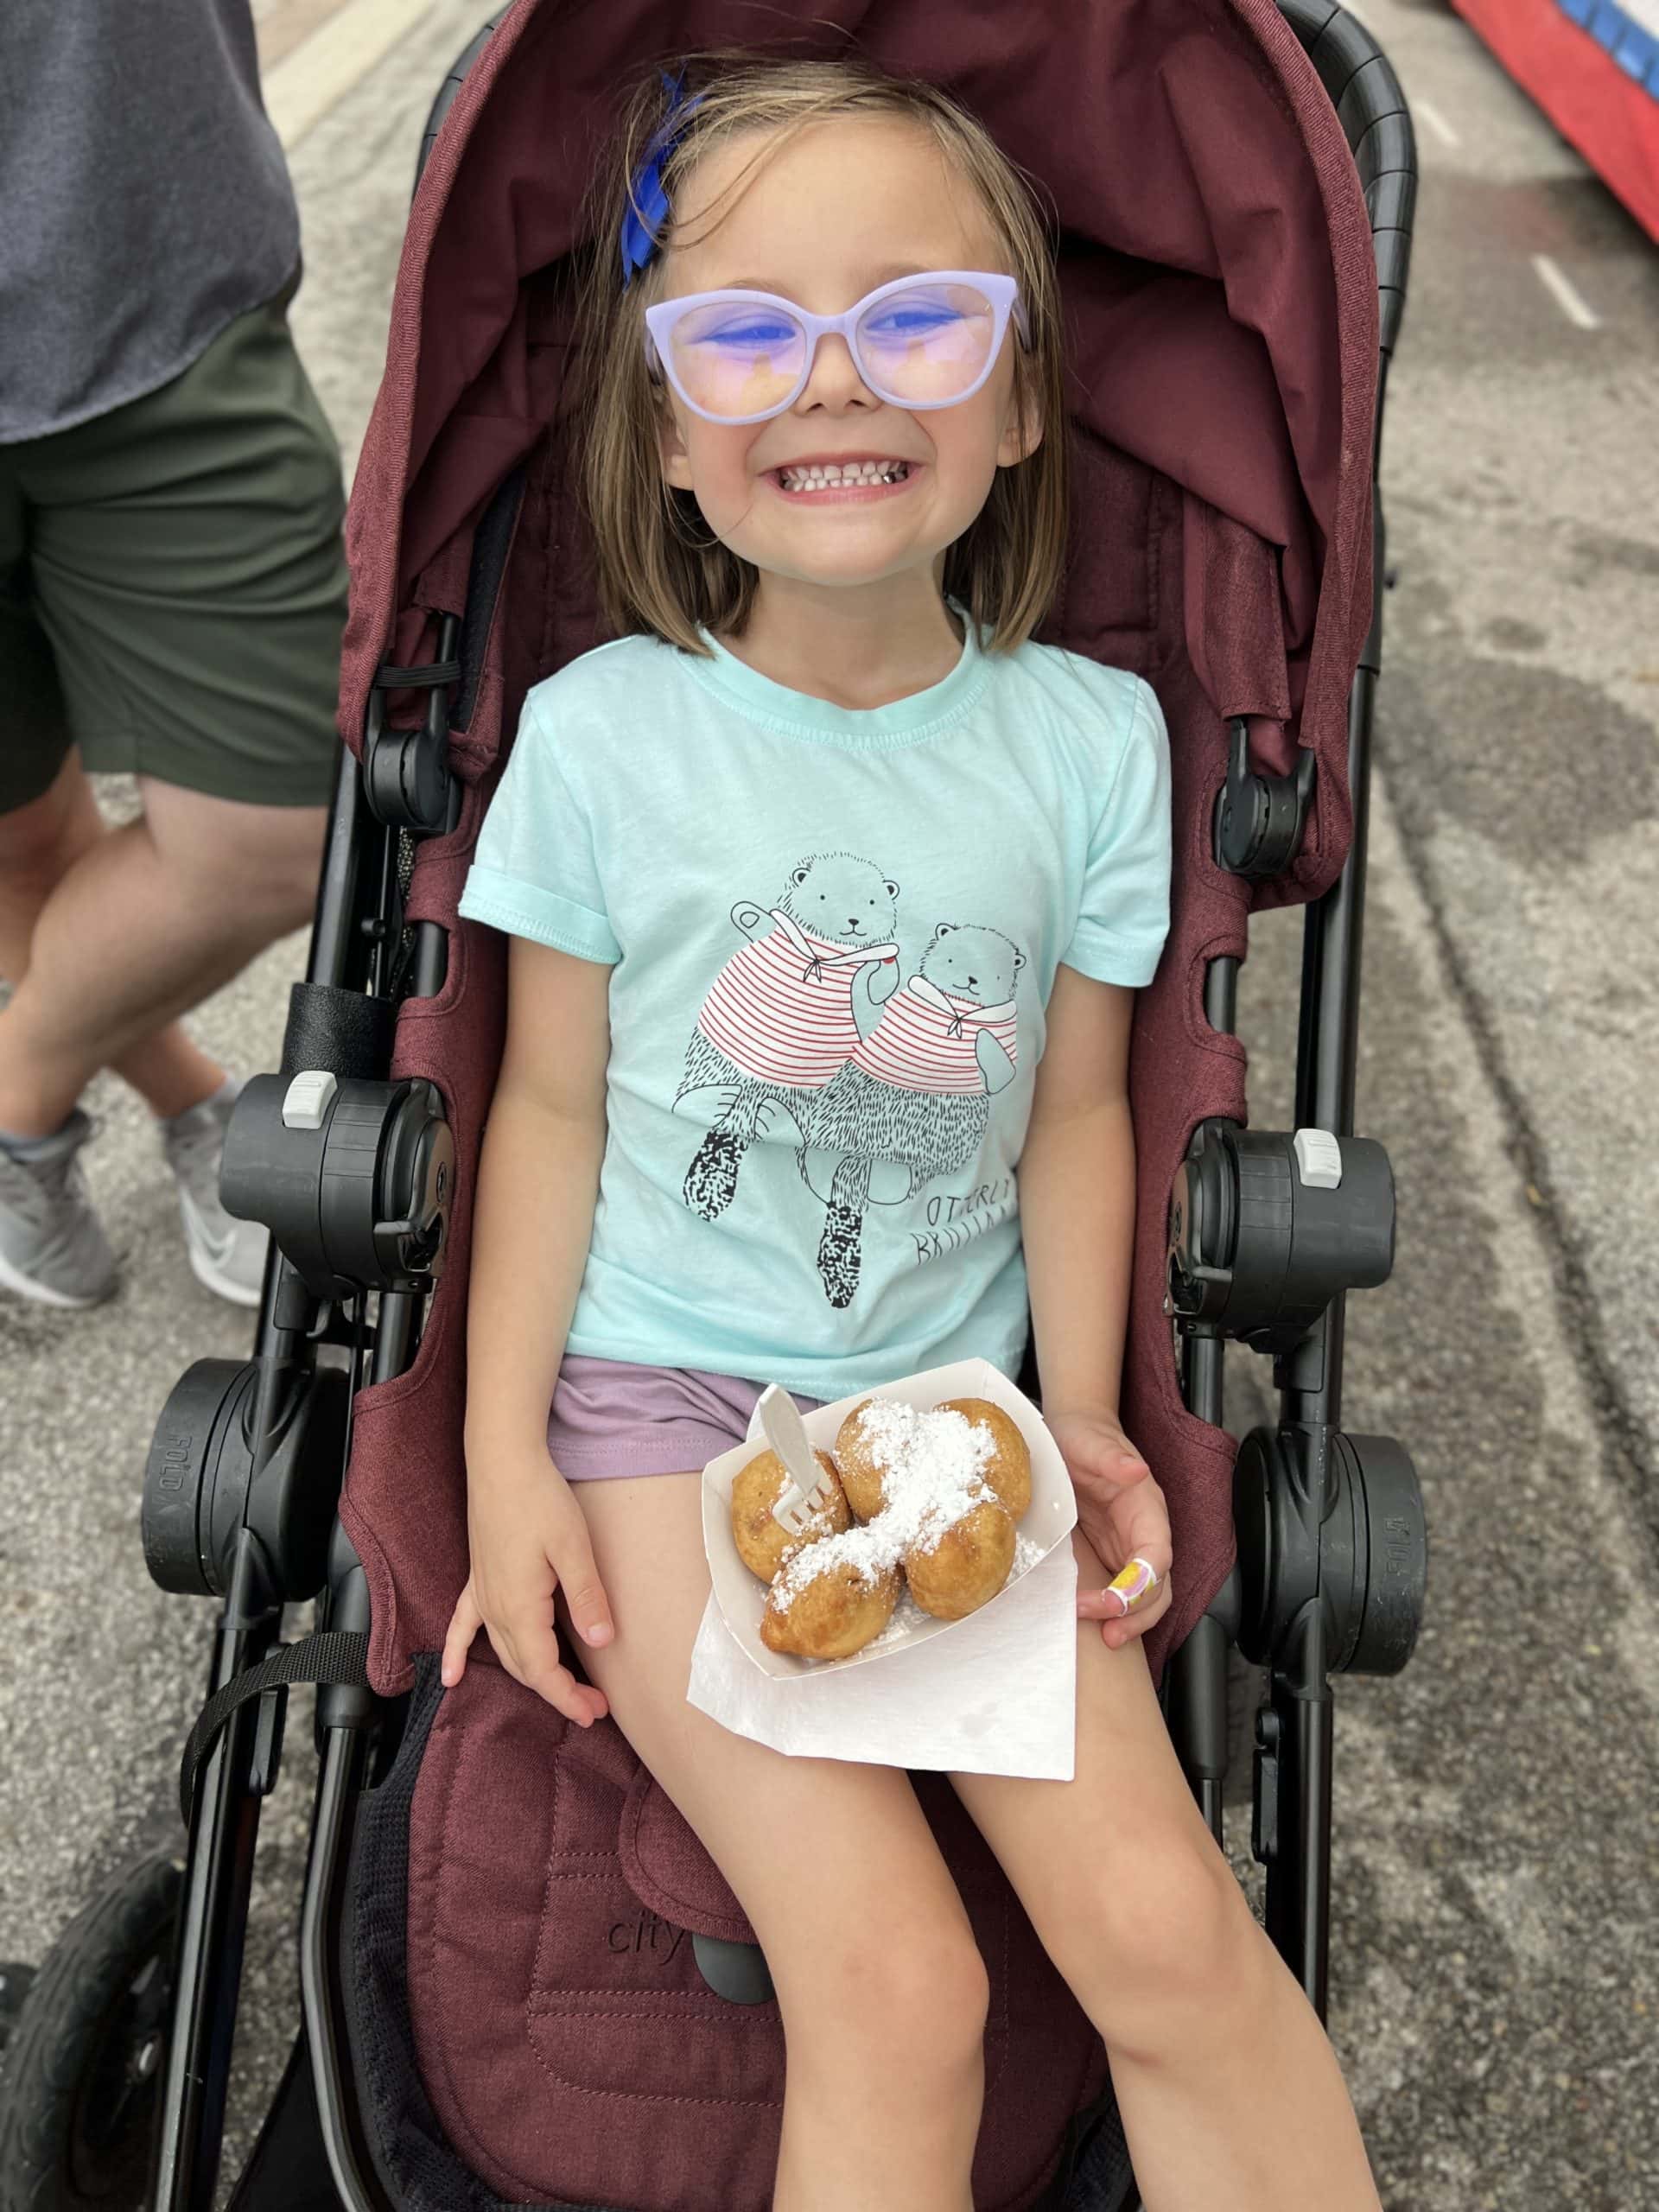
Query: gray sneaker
{"points": [[53, 1248], [226, 1255]]}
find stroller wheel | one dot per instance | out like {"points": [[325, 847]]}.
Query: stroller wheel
{"points": [[84, 2064]]}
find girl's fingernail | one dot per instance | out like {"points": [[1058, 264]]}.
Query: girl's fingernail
{"points": [[598, 1632], [1133, 1585]]}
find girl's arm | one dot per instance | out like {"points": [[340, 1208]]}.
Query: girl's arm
{"points": [[1077, 1196], [1076, 1212], [537, 1186], [533, 1215]]}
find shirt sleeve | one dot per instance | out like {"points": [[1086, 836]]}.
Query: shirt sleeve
{"points": [[1123, 914], [534, 872]]}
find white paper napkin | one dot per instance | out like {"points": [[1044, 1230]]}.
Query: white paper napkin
{"points": [[998, 1695]]}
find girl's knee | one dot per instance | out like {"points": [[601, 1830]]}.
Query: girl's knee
{"points": [[893, 1993], [1154, 1943]]}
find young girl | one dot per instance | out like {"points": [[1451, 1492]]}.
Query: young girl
{"points": [[829, 894]]}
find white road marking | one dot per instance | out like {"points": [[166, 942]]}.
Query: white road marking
{"points": [[1436, 122], [319, 72], [1570, 301]]}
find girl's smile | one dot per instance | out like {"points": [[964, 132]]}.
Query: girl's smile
{"points": [[850, 480]]}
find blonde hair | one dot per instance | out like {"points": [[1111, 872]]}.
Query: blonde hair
{"points": [[660, 570]]}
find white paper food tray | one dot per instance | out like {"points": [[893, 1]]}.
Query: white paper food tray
{"points": [[740, 1596]]}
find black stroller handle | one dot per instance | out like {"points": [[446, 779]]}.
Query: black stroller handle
{"points": [[1371, 108]]}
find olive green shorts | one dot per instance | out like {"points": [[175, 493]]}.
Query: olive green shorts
{"points": [[173, 584]]}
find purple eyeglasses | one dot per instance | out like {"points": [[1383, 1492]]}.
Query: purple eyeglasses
{"points": [[921, 342]]}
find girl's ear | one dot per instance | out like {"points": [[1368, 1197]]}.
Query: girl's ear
{"points": [[1022, 430], [671, 446]]}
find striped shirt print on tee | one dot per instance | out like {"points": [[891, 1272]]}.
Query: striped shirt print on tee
{"points": [[912, 1046], [782, 1018]]}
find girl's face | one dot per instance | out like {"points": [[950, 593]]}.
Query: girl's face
{"points": [[845, 205]]}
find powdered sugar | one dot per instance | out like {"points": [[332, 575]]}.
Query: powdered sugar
{"points": [[932, 1465], [907, 1615], [1026, 1552]]}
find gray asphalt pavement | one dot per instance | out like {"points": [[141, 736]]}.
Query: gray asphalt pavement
{"points": [[1494, 1967]]}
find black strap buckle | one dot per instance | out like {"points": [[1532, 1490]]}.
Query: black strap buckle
{"points": [[1259, 818], [406, 773]]}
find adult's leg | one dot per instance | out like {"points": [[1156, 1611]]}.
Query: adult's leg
{"points": [[882, 1988], [40, 842], [143, 924], [184, 560], [1230, 2091]]}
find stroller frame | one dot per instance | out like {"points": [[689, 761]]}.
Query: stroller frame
{"points": [[251, 1458]]}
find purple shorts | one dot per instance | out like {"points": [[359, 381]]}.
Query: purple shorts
{"points": [[611, 1417]]}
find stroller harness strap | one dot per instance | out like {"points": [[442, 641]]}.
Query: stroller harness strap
{"points": [[334, 1655]]}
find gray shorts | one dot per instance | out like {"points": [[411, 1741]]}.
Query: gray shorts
{"points": [[611, 1417], [173, 584]]}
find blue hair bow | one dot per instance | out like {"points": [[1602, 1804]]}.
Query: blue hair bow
{"points": [[648, 202]]}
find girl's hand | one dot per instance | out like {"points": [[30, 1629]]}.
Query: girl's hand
{"points": [[1120, 1510], [528, 1537]]}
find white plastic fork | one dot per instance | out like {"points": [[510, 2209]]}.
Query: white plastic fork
{"points": [[809, 1486]]}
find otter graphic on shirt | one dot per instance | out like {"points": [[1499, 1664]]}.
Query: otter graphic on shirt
{"points": [[913, 1098], [784, 1011], [807, 1038]]}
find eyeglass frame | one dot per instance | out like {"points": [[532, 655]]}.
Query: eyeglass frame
{"points": [[1001, 292]]}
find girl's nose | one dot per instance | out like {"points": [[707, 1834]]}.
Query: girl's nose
{"points": [[834, 381]]}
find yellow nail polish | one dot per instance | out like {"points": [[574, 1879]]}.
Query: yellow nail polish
{"points": [[1133, 1585]]}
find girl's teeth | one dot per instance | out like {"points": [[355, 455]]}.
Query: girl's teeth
{"points": [[820, 476]]}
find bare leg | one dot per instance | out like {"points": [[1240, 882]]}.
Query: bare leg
{"points": [[39, 844], [136, 925], [1230, 2091], [883, 2003]]}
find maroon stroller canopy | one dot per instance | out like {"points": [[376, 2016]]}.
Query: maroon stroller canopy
{"points": [[1215, 264]]}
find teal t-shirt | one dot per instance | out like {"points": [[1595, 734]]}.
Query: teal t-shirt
{"points": [[833, 933]]}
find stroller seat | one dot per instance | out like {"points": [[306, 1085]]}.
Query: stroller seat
{"points": [[561, 2028]]}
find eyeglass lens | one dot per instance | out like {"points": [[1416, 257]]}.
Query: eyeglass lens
{"points": [[926, 343]]}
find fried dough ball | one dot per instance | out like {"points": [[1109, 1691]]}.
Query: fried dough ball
{"points": [[763, 1544], [955, 1574], [860, 1473], [1007, 1471], [830, 1617]]}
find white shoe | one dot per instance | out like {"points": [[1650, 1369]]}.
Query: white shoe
{"points": [[226, 1255]]}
